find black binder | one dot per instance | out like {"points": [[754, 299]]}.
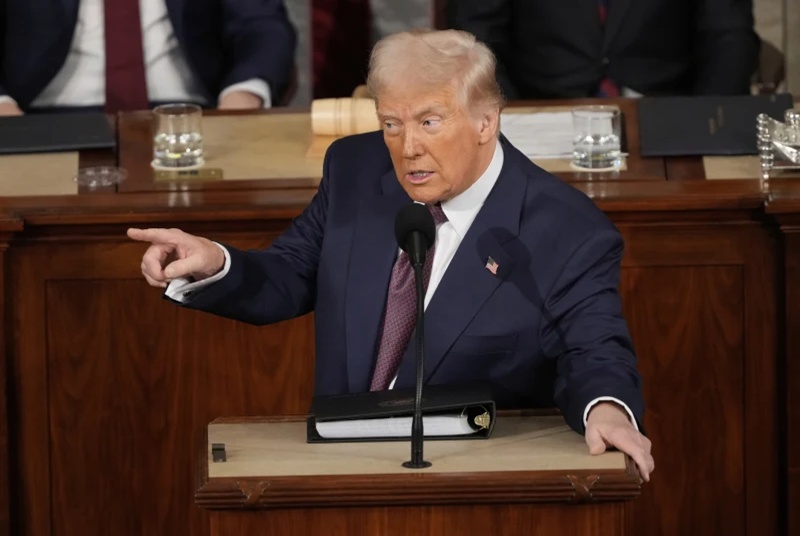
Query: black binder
{"points": [[475, 400], [705, 125], [55, 132]]}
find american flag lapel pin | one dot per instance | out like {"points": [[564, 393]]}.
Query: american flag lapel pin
{"points": [[492, 265]]}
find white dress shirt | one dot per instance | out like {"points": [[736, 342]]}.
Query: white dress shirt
{"points": [[81, 80], [461, 211]]}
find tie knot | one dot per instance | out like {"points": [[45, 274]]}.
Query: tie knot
{"points": [[437, 212]]}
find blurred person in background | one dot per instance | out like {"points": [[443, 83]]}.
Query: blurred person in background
{"points": [[62, 55], [609, 48]]}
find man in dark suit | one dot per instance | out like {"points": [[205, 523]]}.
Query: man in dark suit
{"points": [[521, 281], [589, 48], [130, 54]]}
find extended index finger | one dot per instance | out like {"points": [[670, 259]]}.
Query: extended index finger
{"points": [[155, 236]]}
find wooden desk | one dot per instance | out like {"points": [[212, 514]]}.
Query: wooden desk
{"points": [[532, 472], [107, 380], [277, 142]]}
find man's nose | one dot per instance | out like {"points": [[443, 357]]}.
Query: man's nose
{"points": [[412, 147]]}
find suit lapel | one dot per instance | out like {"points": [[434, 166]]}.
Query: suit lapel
{"points": [[174, 7], [467, 283], [372, 256], [175, 12], [617, 9]]}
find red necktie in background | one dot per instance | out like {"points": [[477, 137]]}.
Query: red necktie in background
{"points": [[607, 86], [126, 85], [400, 315]]}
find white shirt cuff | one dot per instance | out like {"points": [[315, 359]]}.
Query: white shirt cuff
{"points": [[7, 98], [256, 86], [180, 289], [609, 399]]}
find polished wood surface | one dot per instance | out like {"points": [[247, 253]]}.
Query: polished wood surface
{"points": [[8, 226], [113, 379], [529, 458], [698, 300], [108, 382], [489, 520], [792, 389], [491, 500], [784, 205]]}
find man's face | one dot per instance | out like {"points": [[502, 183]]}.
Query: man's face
{"points": [[437, 147]]}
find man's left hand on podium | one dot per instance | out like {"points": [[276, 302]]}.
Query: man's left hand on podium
{"points": [[608, 425]]}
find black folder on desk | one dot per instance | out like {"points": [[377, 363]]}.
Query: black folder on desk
{"points": [[44, 133], [471, 402], [705, 125]]}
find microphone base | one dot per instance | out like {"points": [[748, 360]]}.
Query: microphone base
{"points": [[416, 465]]}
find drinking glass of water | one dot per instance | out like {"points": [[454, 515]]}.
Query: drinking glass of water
{"points": [[178, 141], [596, 131]]}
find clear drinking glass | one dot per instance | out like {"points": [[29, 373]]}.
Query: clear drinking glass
{"points": [[178, 140], [596, 141]]}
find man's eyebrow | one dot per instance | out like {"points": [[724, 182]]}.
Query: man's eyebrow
{"points": [[433, 108]]}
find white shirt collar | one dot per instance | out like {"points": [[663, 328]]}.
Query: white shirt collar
{"points": [[462, 209]]}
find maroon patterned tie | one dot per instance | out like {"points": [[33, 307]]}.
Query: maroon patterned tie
{"points": [[400, 315], [126, 85]]}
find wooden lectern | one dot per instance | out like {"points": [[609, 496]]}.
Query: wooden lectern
{"points": [[533, 476]]}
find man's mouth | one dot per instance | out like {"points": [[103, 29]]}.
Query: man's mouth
{"points": [[419, 176]]}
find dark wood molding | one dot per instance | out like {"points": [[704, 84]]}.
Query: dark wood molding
{"points": [[9, 226], [411, 489]]}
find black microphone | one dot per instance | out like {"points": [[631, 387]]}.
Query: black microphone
{"points": [[415, 231]]}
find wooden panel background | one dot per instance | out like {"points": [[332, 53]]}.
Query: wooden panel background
{"points": [[792, 388], [116, 382], [512, 520], [699, 301], [5, 463], [689, 343]]}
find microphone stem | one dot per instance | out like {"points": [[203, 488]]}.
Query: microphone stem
{"points": [[417, 432]]}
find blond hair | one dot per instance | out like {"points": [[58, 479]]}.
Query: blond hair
{"points": [[437, 58]]}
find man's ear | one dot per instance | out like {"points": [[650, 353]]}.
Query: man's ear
{"points": [[489, 123]]}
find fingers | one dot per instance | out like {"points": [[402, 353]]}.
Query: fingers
{"points": [[175, 254], [156, 236], [153, 283], [637, 447], [184, 267], [625, 439], [153, 262], [595, 441]]}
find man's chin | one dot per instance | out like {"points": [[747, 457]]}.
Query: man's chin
{"points": [[423, 193]]}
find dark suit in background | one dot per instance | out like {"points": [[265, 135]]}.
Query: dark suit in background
{"points": [[547, 326], [559, 49], [224, 42]]}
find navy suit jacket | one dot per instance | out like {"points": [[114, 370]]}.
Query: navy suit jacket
{"points": [[548, 327], [225, 42]]}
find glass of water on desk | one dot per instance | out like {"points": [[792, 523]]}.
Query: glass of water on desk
{"points": [[596, 137], [178, 140]]}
